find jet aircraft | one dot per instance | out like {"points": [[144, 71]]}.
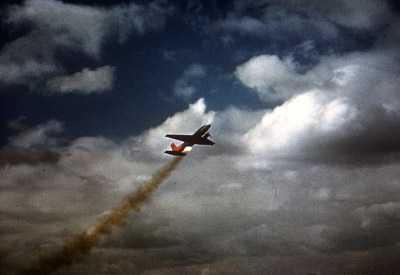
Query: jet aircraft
{"points": [[200, 137]]}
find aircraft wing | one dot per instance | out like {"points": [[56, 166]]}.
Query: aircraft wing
{"points": [[203, 141], [184, 138]]}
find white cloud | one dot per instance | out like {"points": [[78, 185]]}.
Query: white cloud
{"points": [[306, 119], [352, 75], [331, 108], [273, 78], [86, 82]]}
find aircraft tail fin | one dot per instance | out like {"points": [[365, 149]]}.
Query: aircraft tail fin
{"points": [[175, 148]]}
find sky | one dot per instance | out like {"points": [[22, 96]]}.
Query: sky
{"points": [[304, 101]]}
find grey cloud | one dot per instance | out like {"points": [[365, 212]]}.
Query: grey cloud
{"points": [[69, 25], [182, 86], [277, 23], [195, 70], [52, 24], [85, 82], [85, 28], [13, 155], [371, 15], [26, 60], [211, 213], [40, 135], [137, 18], [17, 124], [377, 228]]}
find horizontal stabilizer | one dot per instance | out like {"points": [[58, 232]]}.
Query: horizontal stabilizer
{"points": [[175, 153], [180, 137]]}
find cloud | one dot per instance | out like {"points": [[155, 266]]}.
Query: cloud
{"points": [[274, 79], [85, 82], [309, 185], [26, 60], [311, 18], [275, 22], [33, 144], [195, 70], [182, 87], [370, 15], [85, 28], [52, 25], [32, 155], [340, 110], [214, 212], [38, 135]]}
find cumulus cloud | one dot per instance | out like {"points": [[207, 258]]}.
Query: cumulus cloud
{"points": [[85, 82], [182, 86], [274, 79], [344, 109]]}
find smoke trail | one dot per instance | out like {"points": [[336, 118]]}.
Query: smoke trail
{"points": [[83, 243]]}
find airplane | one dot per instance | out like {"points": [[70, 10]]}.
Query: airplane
{"points": [[200, 137]]}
